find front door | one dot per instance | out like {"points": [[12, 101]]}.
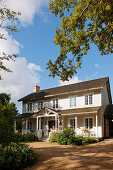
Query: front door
{"points": [[51, 125], [111, 127]]}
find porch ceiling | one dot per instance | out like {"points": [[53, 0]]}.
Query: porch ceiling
{"points": [[79, 110]]}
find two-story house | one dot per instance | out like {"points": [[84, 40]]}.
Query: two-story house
{"points": [[79, 106]]}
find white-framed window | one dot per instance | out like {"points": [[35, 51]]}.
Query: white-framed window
{"points": [[73, 101], [40, 105], [88, 99], [89, 123], [72, 123], [55, 104], [30, 125], [29, 106]]}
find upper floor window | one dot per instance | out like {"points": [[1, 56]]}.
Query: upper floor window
{"points": [[88, 99], [88, 123], [40, 105], [29, 106], [55, 103], [72, 101]]}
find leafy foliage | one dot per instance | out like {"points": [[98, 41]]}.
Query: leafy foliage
{"points": [[7, 112], [82, 22], [8, 21], [16, 156], [90, 140], [66, 136], [24, 138], [53, 137]]}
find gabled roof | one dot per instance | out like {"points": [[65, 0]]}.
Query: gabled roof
{"points": [[82, 86]]}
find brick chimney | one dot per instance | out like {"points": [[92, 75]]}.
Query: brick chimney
{"points": [[36, 88]]}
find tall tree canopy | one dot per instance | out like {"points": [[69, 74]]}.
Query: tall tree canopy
{"points": [[7, 112], [82, 22], [7, 21]]}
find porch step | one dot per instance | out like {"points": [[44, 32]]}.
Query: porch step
{"points": [[43, 139]]}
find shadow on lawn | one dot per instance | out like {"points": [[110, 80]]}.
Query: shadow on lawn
{"points": [[60, 157]]}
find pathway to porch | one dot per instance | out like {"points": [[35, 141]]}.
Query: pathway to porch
{"points": [[60, 157]]}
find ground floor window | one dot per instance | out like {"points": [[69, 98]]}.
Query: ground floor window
{"points": [[72, 123], [30, 125], [88, 123]]}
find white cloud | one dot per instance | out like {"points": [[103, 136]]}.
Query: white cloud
{"points": [[28, 8], [71, 81], [96, 65], [22, 78], [9, 46], [20, 82]]}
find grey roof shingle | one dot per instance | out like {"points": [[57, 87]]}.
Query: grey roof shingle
{"points": [[97, 83]]}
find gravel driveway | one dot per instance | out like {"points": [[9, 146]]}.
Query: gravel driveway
{"points": [[63, 157]]}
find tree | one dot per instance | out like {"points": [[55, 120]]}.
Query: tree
{"points": [[8, 21], [82, 22], [7, 112]]}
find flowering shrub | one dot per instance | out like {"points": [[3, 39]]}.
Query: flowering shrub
{"points": [[15, 156], [24, 138]]}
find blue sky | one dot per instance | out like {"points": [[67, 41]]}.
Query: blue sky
{"points": [[35, 46]]}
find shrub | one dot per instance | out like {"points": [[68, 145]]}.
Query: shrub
{"points": [[15, 156], [89, 140], [53, 137], [24, 138], [66, 136], [75, 140]]}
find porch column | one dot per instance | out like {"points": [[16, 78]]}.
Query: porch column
{"points": [[58, 122], [96, 126], [55, 122], [40, 123], [75, 122], [26, 125], [37, 126], [62, 123], [15, 126]]}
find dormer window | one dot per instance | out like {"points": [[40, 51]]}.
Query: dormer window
{"points": [[29, 106], [88, 99], [55, 104], [73, 101], [40, 105]]}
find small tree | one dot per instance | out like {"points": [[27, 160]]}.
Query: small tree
{"points": [[7, 112]]}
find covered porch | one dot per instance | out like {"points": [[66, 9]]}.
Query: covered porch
{"points": [[41, 124], [48, 121]]}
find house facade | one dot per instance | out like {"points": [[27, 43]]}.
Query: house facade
{"points": [[79, 106]]}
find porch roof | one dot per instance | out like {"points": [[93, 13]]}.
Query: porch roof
{"points": [[79, 110], [24, 115]]}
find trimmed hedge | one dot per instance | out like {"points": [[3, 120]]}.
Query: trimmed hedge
{"points": [[15, 156]]}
